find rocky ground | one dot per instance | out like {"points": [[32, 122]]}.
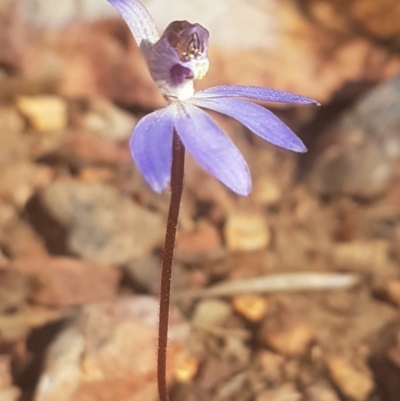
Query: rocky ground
{"points": [[291, 294]]}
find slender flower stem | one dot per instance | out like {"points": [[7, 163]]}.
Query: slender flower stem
{"points": [[178, 162]]}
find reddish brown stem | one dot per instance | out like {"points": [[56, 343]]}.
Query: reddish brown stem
{"points": [[178, 162]]}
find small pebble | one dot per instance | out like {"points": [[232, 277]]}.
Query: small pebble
{"points": [[202, 244], [186, 368], [211, 312], [351, 382], [44, 112], [291, 340], [266, 192], [361, 256], [108, 120], [251, 307], [245, 232]]}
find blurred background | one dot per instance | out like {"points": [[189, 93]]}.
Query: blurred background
{"points": [[291, 294]]}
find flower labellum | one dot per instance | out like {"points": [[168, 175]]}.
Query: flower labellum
{"points": [[179, 58], [191, 43], [176, 60]]}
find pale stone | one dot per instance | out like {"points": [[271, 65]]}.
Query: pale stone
{"points": [[246, 231], [44, 112], [108, 120], [211, 313], [267, 192], [364, 256], [351, 382]]}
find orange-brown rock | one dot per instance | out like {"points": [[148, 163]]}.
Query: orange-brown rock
{"points": [[202, 244], [291, 339], [108, 353], [61, 281]]}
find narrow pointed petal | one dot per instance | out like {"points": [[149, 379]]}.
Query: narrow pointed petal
{"points": [[254, 92], [257, 119], [151, 147], [212, 148], [138, 19]]}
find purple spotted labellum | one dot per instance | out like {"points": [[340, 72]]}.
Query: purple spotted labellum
{"points": [[176, 59]]}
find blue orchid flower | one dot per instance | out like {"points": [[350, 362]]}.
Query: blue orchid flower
{"points": [[176, 59]]}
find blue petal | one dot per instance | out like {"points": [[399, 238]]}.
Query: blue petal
{"points": [[253, 92], [212, 148], [257, 119], [151, 147], [138, 19]]}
